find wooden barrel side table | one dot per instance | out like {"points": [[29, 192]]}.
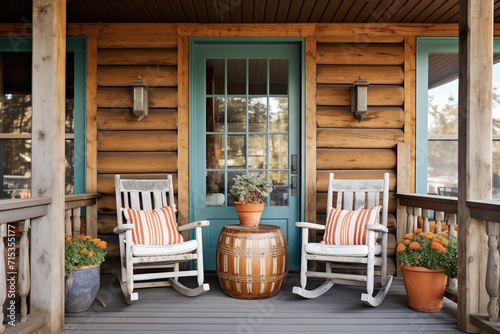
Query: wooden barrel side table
{"points": [[252, 261]]}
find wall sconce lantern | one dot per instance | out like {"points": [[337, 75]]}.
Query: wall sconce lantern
{"points": [[140, 108], [359, 98]]}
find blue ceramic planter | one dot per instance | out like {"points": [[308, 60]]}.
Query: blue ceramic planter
{"points": [[81, 287]]}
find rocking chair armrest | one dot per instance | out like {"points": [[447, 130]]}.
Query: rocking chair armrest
{"points": [[313, 226], [190, 226], [377, 227], [123, 228]]}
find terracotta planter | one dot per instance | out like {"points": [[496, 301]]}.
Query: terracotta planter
{"points": [[424, 288], [249, 214]]}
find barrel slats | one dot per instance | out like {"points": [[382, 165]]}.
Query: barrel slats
{"points": [[252, 262]]}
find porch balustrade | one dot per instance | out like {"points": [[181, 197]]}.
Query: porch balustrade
{"points": [[15, 277], [489, 211], [415, 210]]}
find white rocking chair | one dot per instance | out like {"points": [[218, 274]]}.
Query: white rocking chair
{"points": [[350, 195], [146, 196]]}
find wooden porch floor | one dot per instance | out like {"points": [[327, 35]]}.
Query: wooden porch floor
{"points": [[340, 310]]}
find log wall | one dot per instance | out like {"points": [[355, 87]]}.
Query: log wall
{"points": [[146, 148]]}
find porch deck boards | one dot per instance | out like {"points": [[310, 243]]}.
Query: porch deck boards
{"points": [[340, 310]]}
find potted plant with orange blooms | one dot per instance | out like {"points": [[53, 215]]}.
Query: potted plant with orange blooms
{"points": [[83, 258], [426, 260]]}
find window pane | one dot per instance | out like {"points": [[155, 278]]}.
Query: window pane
{"points": [[279, 195], [215, 189], [279, 151], [215, 76], [257, 76], [236, 76], [257, 148], [236, 114], [236, 151], [257, 114], [278, 114], [215, 151], [278, 76], [215, 114], [443, 94], [443, 162], [15, 156]]}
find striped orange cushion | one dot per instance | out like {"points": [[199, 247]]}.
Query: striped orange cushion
{"points": [[347, 227], [157, 227]]}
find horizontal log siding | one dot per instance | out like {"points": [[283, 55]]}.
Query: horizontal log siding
{"points": [[349, 148], [146, 148]]}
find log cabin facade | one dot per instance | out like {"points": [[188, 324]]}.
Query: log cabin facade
{"points": [[332, 56]]}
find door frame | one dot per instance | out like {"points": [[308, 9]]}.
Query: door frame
{"points": [[302, 108]]}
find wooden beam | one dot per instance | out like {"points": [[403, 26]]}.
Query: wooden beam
{"points": [[410, 98], [474, 153], [310, 129], [183, 130], [48, 161], [91, 135]]}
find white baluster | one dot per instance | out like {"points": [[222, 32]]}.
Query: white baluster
{"points": [[67, 222], [76, 221], [417, 212], [452, 222], [24, 269], [439, 216], [3, 277], [425, 215], [409, 219], [492, 270]]}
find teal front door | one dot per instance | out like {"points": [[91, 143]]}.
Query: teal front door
{"points": [[245, 117]]}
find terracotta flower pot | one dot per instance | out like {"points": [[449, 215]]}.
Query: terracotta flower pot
{"points": [[424, 288], [249, 213]]}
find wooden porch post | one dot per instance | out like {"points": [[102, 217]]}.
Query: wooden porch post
{"points": [[48, 161], [474, 152]]}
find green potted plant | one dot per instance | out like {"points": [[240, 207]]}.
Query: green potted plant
{"points": [[250, 192], [426, 260], [83, 258]]}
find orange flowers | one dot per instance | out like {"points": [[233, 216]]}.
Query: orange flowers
{"points": [[415, 245], [429, 250], [83, 251]]}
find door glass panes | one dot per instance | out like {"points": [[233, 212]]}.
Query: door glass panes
{"points": [[215, 114], [278, 82], [257, 77], [278, 114], [236, 114], [215, 76], [236, 76], [247, 126], [257, 151], [257, 114], [278, 151], [236, 151]]}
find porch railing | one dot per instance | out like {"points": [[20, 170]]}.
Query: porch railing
{"points": [[420, 211], [15, 276], [73, 217], [415, 210], [489, 211]]}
